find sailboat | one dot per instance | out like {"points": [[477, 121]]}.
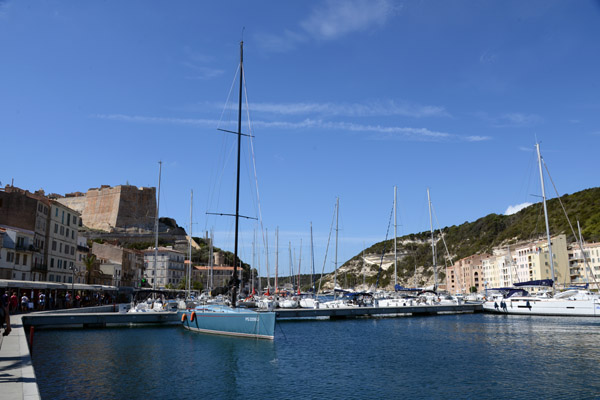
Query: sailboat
{"points": [[572, 302], [232, 320]]}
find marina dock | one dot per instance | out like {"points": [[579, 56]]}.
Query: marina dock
{"points": [[375, 312]]}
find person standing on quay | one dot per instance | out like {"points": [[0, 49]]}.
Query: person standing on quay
{"points": [[14, 303], [5, 314], [24, 301], [42, 301]]}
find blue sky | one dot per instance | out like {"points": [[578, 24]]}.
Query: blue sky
{"points": [[347, 99]]}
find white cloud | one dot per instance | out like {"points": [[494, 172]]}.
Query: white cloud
{"points": [[516, 208], [369, 109], [332, 20], [378, 132], [518, 120], [338, 18], [157, 120], [477, 138], [279, 43]]}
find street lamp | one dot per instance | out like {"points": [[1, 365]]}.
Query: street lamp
{"points": [[72, 268]]}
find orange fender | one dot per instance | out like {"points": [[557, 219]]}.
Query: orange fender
{"points": [[193, 316], [183, 317]]}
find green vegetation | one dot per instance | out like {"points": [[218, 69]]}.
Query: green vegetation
{"points": [[493, 230]]}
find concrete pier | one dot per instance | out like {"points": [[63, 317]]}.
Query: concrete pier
{"points": [[374, 312], [17, 378]]}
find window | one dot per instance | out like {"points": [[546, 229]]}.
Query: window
{"points": [[68, 219], [63, 217], [24, 259], [56, 213], [59, 264], [72, 250], [20, 242], [54, 245], [51, 278], [74, 220], [60, 248], [55, 228], [51, 263], [62, 230], [73, 234], [67, 233], [17, 259]]}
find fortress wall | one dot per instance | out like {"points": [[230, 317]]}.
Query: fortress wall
{"points": [[137, 207], [101, 208]]}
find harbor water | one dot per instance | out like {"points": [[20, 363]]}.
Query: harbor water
{"points": [[476, 356]]}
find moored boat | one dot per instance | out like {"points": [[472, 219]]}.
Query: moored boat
{"points": [[223, 319]]}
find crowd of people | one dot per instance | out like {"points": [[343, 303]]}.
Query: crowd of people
{"points": [[41, 300]]}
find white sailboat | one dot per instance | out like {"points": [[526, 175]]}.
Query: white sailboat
{"points": [[572, 302], [221, 319]]}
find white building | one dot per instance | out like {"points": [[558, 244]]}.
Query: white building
{"points": [[62, 243], [170, 267], [580, 273], [16, 253]]}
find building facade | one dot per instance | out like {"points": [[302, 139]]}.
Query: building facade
{"points": [[16, 253], [465, 274], [167, 269], [30, 211], [62, 243], [585, 269]]}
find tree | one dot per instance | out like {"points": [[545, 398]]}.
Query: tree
{"points": [[90, 262]]}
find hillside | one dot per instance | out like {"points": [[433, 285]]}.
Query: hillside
{"points": [[481, 236]]}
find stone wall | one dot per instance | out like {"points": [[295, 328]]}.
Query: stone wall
{"points": [[117, 208]]}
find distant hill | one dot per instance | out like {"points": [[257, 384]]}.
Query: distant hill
{"points": [[480, 236]]}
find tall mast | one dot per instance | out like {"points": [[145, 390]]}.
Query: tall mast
{"points": [[237, 190], [312, 259], [276, 260], [299, 265], [253, 261], [211, 260], [337, 216], [156, 226], [189, 269], [267, 261], [395, 240], [432, 244], [537, 146], [291, 264]]}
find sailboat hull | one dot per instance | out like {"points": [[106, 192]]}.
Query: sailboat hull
{"points": [[547, 307], [222, 320]]}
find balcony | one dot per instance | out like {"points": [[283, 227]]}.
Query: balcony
{"points": [[40, 268]]}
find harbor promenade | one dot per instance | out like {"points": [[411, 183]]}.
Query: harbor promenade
{"points": [[17, 378]]}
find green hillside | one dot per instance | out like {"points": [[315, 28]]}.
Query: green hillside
{"points": [[493, 230]]}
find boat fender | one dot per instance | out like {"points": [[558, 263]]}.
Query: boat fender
{"points": [[183, 317], [193, 316]]}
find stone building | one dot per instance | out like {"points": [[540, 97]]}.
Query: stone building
{"points": [[119, 208], [22, 209], [123, 265]]}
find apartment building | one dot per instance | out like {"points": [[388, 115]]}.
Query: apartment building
{"points": [[29, 211], [167, 269], [16, 253], [124, 265], [580, 271], [62, 243], [466, 273]]}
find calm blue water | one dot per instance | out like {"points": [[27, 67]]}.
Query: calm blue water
{"points": [[475, 356]]}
